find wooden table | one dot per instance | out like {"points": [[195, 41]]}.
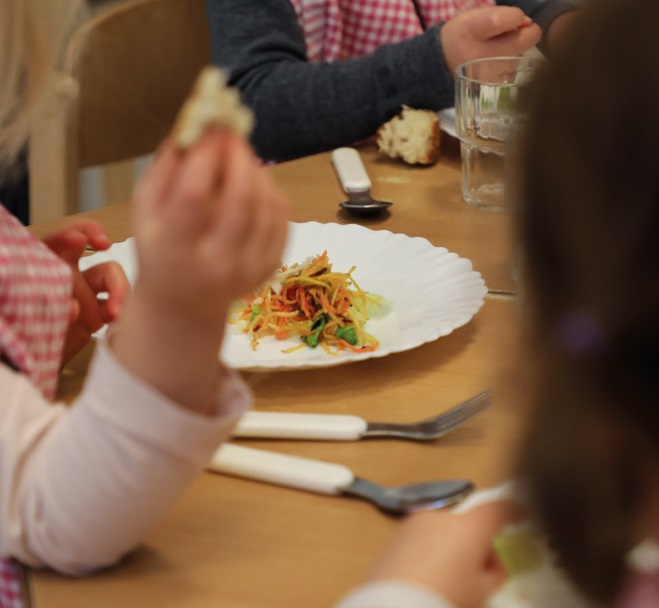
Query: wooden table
{"points": [[238, 543], [427, 202]]}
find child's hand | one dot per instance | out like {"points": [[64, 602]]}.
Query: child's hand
{"points": [[88, 313], [451, 554], [209, 227], [498, 31]]}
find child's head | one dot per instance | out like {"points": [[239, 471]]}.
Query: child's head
{"points": [[589, 223]]}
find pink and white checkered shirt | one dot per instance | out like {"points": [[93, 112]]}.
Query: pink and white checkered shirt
{"points": [[10, 588], [342, 29], [35, 300]]}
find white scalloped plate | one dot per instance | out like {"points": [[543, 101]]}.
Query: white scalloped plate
{"points": [[433, 292]]}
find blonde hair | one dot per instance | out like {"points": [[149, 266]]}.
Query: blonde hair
{"points": [[28, 52]]}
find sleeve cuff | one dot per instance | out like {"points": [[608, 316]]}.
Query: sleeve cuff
{"points": [[393, 594], [446, 84]]}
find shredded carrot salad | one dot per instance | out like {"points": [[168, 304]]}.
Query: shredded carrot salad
{"points": [[309, 300]]}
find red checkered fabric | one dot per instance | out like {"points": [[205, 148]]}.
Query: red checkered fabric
{"points": [[10, 588], [342, 29], [35, 300]]}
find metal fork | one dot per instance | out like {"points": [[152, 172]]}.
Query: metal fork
{"points": [[282, 425]]}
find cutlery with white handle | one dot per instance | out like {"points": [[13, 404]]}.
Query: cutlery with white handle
{"points": [[334, 479], [337, 427], [355, 182]]}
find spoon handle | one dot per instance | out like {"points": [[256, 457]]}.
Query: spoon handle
{"points": [[281, 469], [289, 425], [350, 169]]}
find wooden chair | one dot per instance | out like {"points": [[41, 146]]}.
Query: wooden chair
{"points": [[125, 76]]}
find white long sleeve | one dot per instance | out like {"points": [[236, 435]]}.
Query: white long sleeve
{"points": [[79, 488], [393, 594]]}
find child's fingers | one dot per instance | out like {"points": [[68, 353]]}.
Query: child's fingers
{"points": [[70, 242], [93, 231], [514, 43], [109, 312], [76, 338], [233, 200], [189, 201], [96, 235], [74, 311], [67, 244], [487, 23], [108, 278], [89, 317]]}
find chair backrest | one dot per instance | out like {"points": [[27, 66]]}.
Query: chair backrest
{"points": [[125, 76]]}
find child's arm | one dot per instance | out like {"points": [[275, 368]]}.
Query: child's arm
{"points": [[80, 489], [304, 108]]}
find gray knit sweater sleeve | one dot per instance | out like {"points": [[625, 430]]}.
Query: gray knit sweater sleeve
{"points": [[303, 108]]}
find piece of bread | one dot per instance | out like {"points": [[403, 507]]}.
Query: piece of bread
{"points": [[211, 102], [412, 135]]}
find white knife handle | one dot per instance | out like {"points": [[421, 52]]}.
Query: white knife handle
{"points": [[281, 469], [284, 425], [350, 170]]}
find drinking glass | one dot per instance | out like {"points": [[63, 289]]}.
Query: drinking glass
{"points": [[488, 116]]}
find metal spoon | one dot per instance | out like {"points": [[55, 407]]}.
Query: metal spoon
{"points": [[334, 479], [415, 497], [355, 182]]}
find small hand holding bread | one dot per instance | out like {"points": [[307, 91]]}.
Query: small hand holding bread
{"points": [[209, 226], [412, 135], [207, 208]]}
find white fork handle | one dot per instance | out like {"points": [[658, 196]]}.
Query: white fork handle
{"points": [[285, 425], [350, 170], [281, 469]]}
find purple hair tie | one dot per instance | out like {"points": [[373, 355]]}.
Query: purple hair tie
{"points": [[580, 334]]}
